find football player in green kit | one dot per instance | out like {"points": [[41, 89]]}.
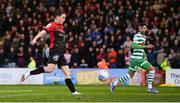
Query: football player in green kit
{"points": [[138, 59]]}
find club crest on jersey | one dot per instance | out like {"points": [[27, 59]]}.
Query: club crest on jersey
{"points": [[55, 57]]}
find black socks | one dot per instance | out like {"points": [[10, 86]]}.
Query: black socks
{"points": [[37, 71], [70, 85]]}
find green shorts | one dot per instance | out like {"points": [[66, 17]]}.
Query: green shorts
{"points": [[136, 63]]}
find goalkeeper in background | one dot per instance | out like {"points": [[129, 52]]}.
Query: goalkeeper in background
{"points": [[138, 59]]}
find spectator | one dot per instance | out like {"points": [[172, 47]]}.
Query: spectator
{"points": [[75, 57], [32, 64], [102, 64], [127, 44], [1, 57], [95, 34], [29, 53], [120, 59], [160, 56], [151, 57], [21, 57], [83, 64], [11, 58], [165, 64], [38, 56], [127, 58], [101, 54], [83, 50], [74, 65], [98, 41], [177, 60], [112, 42], [91, 58], [67, 56], [112, 58], [119, 42], [45, 54], [106, 40]]}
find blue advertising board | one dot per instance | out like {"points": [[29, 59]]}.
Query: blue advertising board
{"points": [[57, 76]]}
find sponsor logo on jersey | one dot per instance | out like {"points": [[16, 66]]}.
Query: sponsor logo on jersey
{"points": [[55, 57]]}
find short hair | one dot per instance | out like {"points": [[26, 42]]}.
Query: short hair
{"points": [[141, 25], [59, 13]]}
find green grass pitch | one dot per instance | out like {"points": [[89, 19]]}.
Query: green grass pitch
{"points": [[100, 93]]}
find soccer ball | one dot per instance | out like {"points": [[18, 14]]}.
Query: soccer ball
{"points": [[103, 75]]}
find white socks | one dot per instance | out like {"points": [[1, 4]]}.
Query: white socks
{"points": [[27, 74], [122, 79], [150, 78]]}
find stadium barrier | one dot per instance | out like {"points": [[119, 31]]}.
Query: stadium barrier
{"points": [[13, 75], [173, 77], [86, 76], [80, 76]]}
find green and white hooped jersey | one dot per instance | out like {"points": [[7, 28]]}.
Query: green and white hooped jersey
{"points": [[139, 53]]}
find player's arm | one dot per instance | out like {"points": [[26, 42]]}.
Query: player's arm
{"points": [[139, 46], [47, 29], [40, 34]]}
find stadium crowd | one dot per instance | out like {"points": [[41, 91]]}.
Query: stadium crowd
{"points": [[94, 29]]}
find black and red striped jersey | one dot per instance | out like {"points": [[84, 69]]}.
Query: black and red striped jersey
{"points": [[57, 35]]}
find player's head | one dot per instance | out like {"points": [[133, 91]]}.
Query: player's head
{"points": [[143, 28], [60, 17]]}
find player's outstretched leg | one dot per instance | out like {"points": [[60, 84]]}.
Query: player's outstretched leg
{"points": [[33, 72], [120, 80], [45, 69], [150, 80]]}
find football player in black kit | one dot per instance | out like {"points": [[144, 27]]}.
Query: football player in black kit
{"points": [[57, 45]]}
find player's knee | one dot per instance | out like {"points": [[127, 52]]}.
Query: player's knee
{"points": [[131, 75], [151, 68], [66, 71], [48, 69], [67, 74]]}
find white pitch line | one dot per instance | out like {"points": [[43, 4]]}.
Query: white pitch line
{"points": [[19, 95], [2, 91]]}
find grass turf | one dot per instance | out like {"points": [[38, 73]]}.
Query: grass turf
{"points": [[100, 93]]}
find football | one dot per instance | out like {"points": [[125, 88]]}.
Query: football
{"points": [[103, 75]]}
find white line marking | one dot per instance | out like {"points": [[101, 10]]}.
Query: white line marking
{"points": [[4, 91], [20, 95]]}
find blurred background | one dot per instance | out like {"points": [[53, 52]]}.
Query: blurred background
{"points": [[95, 29]]}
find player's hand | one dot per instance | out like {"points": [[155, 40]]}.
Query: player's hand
{"points": [[33, 42], [150, 46]]}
